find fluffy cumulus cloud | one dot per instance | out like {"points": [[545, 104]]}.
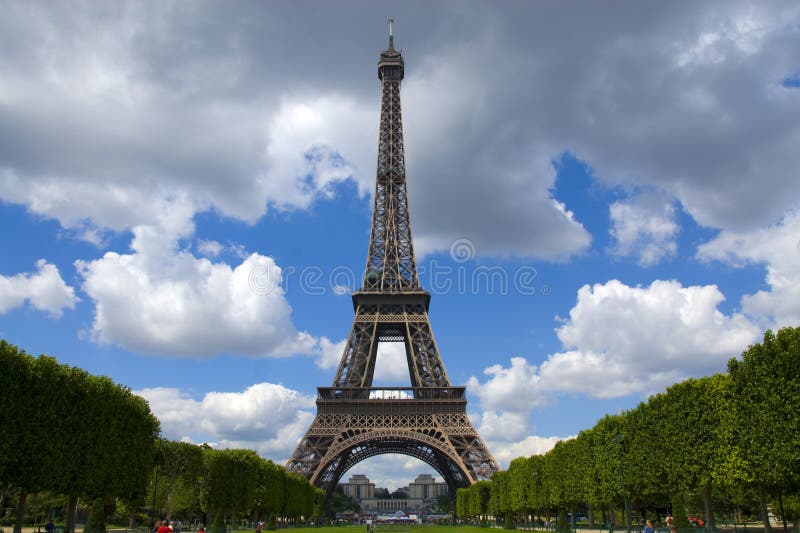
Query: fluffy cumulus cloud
{"points": [[621, 340], [506, 400], [531, 445], [44, 290], [778, 248], [330, 353], [190, 306], [644, 226], [304, 137], [513, 389], [160, 299], [618, 340], [265, 417]]}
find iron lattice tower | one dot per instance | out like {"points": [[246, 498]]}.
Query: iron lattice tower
{"points": [[427, 420]]}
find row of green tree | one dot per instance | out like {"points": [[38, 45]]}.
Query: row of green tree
{"points": [[199, 483], [65, 431], [716, 439]]}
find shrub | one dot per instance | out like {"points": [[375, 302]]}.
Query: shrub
{"points": [[218, 526], [562, 524], [97, 518], [679, 518]]}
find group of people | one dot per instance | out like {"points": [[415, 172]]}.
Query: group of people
{"points": [[648, 527], [164, 526]]}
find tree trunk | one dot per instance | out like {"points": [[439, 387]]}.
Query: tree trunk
{"points": [[783, 515], [762, 505], [628, 517], [72, 510], [591, 515], [20, 511], [709, 501]]}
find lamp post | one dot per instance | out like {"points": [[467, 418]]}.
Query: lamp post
{"points": [[619, 439]]}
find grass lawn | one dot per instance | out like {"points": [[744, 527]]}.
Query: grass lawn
{"points": [[388, 528]]}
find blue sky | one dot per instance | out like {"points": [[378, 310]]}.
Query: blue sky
{"points": [[185, 200]]}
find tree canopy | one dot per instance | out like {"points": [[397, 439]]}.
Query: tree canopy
{"points": [[71, 432]]}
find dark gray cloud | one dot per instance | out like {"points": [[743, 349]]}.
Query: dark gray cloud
{"points": [[130, 102]]}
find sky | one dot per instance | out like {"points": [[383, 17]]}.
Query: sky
{"points": [[604, 199]]}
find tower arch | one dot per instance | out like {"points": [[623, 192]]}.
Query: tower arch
{"points": [[358, 448]]}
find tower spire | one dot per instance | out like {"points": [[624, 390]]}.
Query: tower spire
{"points": [[391, 266]]}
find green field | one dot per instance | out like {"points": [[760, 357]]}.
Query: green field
{"points": [[388, 528]]}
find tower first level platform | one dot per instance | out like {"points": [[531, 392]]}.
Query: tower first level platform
{"points": [[429, 423]]}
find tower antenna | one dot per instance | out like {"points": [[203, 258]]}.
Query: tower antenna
{"points": [[391, 33]]}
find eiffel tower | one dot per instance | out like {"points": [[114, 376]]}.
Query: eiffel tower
{"points": [[428, 420]]}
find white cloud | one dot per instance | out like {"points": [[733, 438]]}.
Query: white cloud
{"points": [[505, 452], [304, 136], [209, 248], [102, 136], [264, 417], [212, 248], [330, 353], [235, 124], [512, 389], [210, 131], [296, 163], [504, 426], [391, 471], [44, 290], [778, 247], [619, 340], [391, 365], [644, 226], [506, 400], [622, 340], [162, 300]]}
